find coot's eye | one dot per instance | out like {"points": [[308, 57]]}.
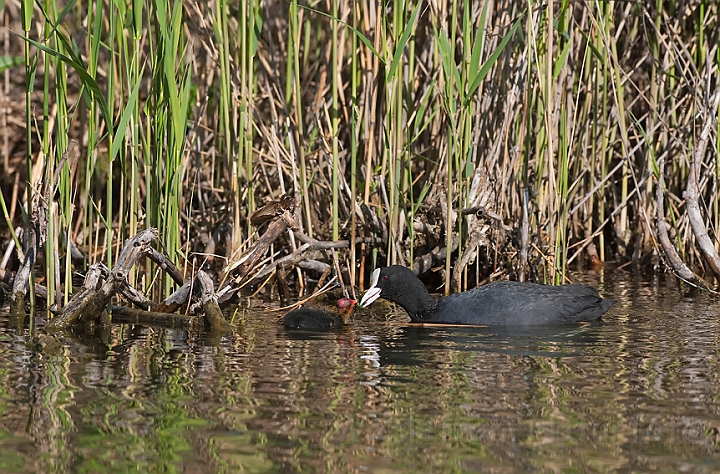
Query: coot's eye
{"points": [[385, 277]]}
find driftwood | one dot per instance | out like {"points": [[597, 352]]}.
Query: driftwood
{"points": [[172, 303], [101, 284], [133, 295], [692, 192], [240, 269], [209, 302], [671, 254], [691, 195], [166, 265], [125, 315], [22, 277], [93, 300], [248, 261]]}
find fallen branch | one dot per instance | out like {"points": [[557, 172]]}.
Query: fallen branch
{"points": [[92, 300], [673, 259], [425, 262], [166, 265], [209, 302], [248, 261], [22, 277], [314, 265], [303, 255], [333, 244], [172, 303], [692, 192], [125, 315], [131, 294]]}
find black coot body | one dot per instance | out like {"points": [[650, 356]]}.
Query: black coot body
{"points": [[507, 303], [316, 319]]}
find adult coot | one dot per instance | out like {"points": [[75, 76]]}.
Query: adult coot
{"points": [[316, 319], [506, 303]]}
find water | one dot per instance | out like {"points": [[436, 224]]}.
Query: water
{"points": [[637, 393]]}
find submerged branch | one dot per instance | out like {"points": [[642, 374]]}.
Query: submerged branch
{"points": [[125, 315]]}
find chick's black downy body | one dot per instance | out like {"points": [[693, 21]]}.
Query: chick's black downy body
{"points": [[318, 319]]}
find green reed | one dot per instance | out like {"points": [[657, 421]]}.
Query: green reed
{"points": [[335, 117], [355, 68], [168, 124], [296, 106], [249, 19]]}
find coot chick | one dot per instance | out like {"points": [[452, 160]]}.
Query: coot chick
{"points": [[505, 303], [316, 319]]}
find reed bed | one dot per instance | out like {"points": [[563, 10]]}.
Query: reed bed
{"points": [[481, 139]]}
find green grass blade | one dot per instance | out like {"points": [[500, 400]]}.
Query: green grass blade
{"points": [[400, 47], [561, 60], [596, 52], [447, 53], [485, 69], [125, 119], [357, 32], [478, 43], [86, 79]]}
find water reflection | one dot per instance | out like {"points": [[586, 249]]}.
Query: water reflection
{"points": [[637, 392]]}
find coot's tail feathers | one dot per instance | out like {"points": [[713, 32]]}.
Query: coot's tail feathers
{"points": [[605, 304]]}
